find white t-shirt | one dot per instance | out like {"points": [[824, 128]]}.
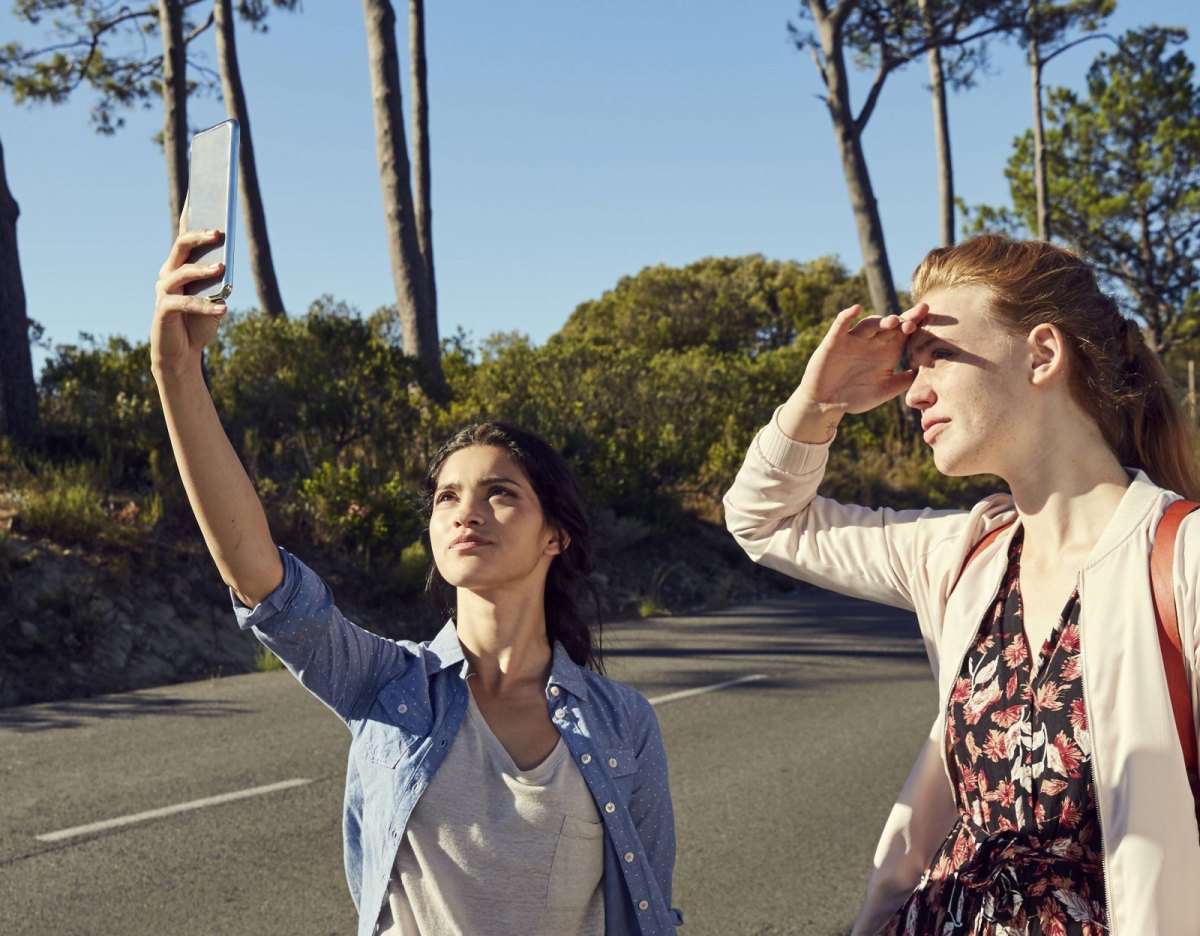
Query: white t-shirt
{"points": [[494, 849]]}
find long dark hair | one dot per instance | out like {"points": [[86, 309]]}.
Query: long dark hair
{"points": [[1114, 375], [557, 490]]}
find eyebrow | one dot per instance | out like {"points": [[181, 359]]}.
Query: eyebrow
{"points": [[483, 482], [920, 341], [918, 344]]}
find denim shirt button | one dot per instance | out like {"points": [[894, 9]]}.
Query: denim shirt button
{"points": [[401, 708], [612, 762], [560, 713], [586, 759], [554, 690], [611, 808], [628, 857], [643, 905]]}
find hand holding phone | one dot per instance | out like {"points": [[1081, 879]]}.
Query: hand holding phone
{"points": [[212, 204]]}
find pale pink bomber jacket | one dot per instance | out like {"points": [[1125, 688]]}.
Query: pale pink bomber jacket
{"points": [[910, 559]]}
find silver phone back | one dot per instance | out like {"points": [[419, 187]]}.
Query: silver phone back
{"points": [[212, 203]]}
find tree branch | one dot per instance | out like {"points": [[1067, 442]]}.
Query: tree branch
{"points": [[1046, 59], [199, 30]]}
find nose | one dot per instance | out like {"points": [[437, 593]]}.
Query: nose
{"points": [[920, 395], [467, 513]]}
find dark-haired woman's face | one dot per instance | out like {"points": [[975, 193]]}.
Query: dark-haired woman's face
{"points": [[487, 529]]}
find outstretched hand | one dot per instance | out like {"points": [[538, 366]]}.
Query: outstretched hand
{"points": [[183, 324]]}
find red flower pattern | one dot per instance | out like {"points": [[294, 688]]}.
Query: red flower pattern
{"points": [[1024, 857]]}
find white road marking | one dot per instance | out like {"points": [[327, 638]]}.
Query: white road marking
{"points": [[688, 693], [62, 834], [170, 810]]}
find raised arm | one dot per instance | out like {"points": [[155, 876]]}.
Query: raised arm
{"points": [[227, 508], [773, 509]]}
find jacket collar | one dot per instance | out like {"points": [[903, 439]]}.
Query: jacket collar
{"points": [[1131, 515], [444, 651]]}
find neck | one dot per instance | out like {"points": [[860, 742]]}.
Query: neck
{"points": [[503, 638], [1066, 496]]}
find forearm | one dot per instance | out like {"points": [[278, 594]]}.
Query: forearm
{"points": [[230, 515]]}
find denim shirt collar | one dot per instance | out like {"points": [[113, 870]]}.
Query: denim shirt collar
{"points": [[446, 652], [445, 649]]}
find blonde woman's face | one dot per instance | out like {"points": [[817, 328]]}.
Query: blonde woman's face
{"points": [[971, 383]]}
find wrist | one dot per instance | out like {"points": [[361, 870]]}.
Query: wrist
{"points": [[804, 419], [168, 375]]}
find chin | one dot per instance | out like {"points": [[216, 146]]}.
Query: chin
{"points": [[953, 465]]}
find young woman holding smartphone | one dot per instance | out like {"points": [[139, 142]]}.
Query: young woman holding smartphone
{"points": [[1051, 796], [496, 783]]}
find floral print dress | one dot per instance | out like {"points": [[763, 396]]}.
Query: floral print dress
{"points": [[1025, 856]]}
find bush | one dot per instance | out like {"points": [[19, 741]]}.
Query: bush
{"points": [[265, 661], [98, 403], [358, 515], [66, 505], [326, 387]]}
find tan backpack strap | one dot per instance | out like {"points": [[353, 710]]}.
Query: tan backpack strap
{"points": [[1162, 578], [979, 547]]}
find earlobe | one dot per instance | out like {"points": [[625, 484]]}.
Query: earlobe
{"points": [[1047, 353]]}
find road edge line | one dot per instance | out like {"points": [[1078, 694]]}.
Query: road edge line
{"points": [[701, 690], [133, 818]]}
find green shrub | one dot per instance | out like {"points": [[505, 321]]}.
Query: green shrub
{"points": [[98, 402], [357, 513], [265, 661], [414, 567], [66, 505]]}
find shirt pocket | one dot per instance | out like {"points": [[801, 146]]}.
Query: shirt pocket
{"points": [[622, 766], [396, 724], [578, 864]]}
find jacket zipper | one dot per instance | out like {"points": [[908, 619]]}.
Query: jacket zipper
{"points": [[1095, 761]]}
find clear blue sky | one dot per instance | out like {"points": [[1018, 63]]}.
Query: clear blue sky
{"points": [[572, 144]]}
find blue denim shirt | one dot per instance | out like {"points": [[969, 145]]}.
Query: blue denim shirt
{"points": [[403, 703]]}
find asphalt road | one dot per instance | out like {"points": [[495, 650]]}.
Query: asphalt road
{"points": [[781, 783]]}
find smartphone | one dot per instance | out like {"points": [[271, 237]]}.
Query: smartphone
{"points": [[212, 203]]}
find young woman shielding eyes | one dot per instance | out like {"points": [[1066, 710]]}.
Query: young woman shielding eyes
{"points": [[1051, 796]]}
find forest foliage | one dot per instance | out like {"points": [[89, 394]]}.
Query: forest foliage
{"points": [[653, 391]]}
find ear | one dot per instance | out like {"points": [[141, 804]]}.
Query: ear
{"points": [[1047, 353], [560, 539]]}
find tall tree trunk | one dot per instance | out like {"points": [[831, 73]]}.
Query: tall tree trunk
{"points": [[1039, 126], [413, 300], [941, 138], [422, 198], [854, 167], [259, 245], [174, 93], [18, 392], [1039, 146]]}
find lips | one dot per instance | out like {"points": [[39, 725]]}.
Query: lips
{"points": [[467, 542], [932, 428]]}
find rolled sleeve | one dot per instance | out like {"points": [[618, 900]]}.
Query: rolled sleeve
{"points": [[293, 573], [341, 664]]}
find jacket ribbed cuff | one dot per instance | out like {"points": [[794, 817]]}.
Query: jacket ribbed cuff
{"points": [[784, 453]]}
